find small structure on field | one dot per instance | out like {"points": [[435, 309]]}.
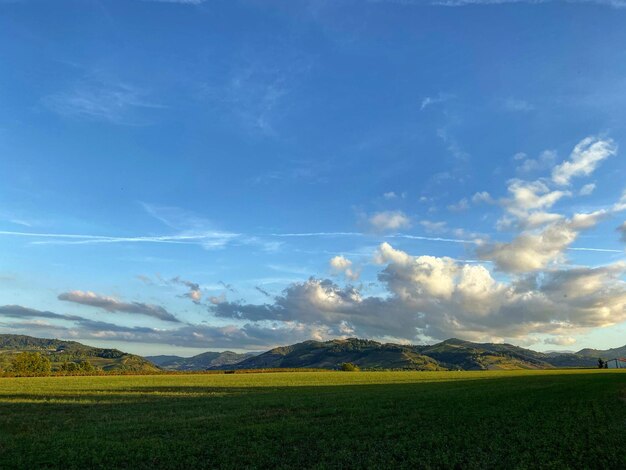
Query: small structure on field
{"points": [[617, 363]]}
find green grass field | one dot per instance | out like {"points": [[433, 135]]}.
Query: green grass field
{"points": [[506, 419]]}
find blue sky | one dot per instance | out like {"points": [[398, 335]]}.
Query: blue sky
{"points": [[177, 176]]}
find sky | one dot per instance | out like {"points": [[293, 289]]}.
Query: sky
{"points": [[179, 176]]}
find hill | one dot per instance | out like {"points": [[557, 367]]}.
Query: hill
{"points": [[452, 354], [59, 351], [331, 354], [603, 353], [204, 361]]}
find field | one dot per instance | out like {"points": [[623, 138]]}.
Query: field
{"points": [[504, 419]]}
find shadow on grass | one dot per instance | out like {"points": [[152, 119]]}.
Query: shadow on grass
{"points": [[554, 420]]}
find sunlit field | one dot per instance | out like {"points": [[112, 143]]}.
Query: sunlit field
{"points": [[506, 419]]}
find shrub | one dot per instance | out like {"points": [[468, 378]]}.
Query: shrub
{"points": [[30, 363], [81, 367], [349, 367]]}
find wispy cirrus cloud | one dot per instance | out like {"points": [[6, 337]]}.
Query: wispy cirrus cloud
{"points": [[206, 239], [255, 90], [117, 103], [436, 99], [468, 3]]}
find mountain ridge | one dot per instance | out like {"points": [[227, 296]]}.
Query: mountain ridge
{"points": [[450, 354]]}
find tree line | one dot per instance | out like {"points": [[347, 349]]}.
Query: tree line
{"points": [[34, 364]]}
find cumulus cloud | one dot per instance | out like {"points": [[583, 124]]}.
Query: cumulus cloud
{"points": [[526, 196], [389, 221], [335, 309], [340, 265], [111, 304], [535, 250], [438, 297], [584, 159]]}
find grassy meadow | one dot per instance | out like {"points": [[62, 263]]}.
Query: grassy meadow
{"points": [[492, 419]]}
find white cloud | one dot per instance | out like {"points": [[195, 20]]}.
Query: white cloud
{"points": [[528, 196], [431, 100], [536, 250], [462, 205], [482, 196], [439, 297], [587, 189], [389, 221], [546, 160], [342, 265], [117, 103], [584, 159], [560, 340]]}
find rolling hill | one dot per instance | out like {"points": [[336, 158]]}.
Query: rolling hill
{"points": [[59, 351], [603, 353], [205, 361], [331, 354], [452, 354]]}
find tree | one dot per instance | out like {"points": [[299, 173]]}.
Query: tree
{"points": [[86, 366], [600, 364], [83, 366], [349, 367], [30, 363], [69, 367]]}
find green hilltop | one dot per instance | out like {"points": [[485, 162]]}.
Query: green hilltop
{"points": [[59, 351]]}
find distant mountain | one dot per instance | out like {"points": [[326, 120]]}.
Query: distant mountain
{"points": [[452, 354], [205, 361], [605, 354], [331, 354], [59, 351], [458, 354]]}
